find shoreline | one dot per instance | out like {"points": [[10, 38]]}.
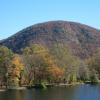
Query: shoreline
{"points": [[39, 86]]}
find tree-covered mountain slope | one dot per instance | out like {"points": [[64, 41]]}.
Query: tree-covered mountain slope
{"points": [[82, 40]]}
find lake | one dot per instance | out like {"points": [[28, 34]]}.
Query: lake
{"points": [[78, 92]]}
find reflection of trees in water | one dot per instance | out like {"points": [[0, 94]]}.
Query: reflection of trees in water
{"points": [[77, 92], [12, 95], [55, 93]]}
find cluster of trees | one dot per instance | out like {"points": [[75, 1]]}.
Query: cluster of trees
{"points": [[10, 68], [40, 66], [94, 67], [36, 64]]}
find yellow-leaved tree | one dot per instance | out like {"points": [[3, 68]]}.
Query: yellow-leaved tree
{"points": [[14, 72]]}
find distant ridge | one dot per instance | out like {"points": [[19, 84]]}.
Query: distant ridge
{"points": [[81, 39]]}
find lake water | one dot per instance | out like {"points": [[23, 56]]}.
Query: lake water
{"points": [[78, 92]]}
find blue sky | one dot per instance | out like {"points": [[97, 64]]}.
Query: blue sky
{"points": [[18, 14]]}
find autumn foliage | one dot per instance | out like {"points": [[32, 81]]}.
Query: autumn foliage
{"points": [[37, 65]]}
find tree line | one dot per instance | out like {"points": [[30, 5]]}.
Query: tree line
{"points": [[37, 64]]}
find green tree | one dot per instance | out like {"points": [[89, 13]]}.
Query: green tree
{"points": [[5, 58], [65, 59], [94, 66], [83, 72]]}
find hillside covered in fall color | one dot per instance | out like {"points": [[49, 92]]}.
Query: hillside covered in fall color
{"points": [[50, 53], [82, 40]]}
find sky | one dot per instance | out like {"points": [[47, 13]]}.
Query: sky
{"points": [[16, 15]]}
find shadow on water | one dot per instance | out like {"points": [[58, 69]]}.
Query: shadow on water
{"points": [[78, 92]]}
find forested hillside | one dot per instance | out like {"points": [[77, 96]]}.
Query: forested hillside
{"points": [[81, 39], [51, 53]]}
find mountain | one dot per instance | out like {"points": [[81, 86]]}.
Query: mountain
{"points": [[82, 40]]}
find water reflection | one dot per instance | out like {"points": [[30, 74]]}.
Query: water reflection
{"points": [[79, 92], [12, 95]]}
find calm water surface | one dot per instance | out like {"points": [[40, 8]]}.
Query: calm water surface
{"points": [[79, 92]]}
